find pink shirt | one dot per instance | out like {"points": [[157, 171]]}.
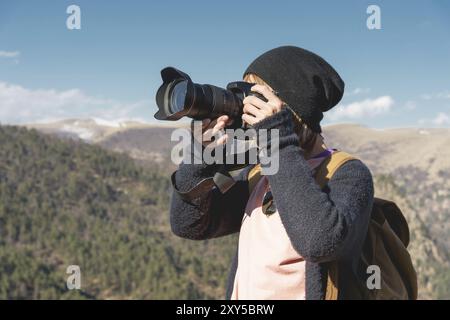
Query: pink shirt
{"points": [[269, 268]]}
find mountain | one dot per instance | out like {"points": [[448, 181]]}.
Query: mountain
{"points": [[90, 130], [410, 166], [147, 144], [390, 150], [382, 150], [65, 202]]}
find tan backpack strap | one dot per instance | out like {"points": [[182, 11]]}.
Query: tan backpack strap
{"points": [[253, 177], [324, 173], [332, 291], [330, 165]]}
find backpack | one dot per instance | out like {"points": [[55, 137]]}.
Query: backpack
{"points": [[385, 245]]}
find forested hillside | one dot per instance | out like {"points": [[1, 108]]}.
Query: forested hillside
{"points": [[68, 203]]}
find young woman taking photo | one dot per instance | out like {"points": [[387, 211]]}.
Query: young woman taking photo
{"points": [[290, 228]]}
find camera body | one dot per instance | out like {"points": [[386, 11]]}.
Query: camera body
{"points": [[179, 97]]}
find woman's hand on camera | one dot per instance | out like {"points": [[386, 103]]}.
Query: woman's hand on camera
{"points": [[256, 109], [214, 128]]}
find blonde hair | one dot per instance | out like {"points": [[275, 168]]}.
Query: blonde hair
{"points": [[306, 136]]}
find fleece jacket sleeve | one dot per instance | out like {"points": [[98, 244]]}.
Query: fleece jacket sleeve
{"points": [[214, 214]]}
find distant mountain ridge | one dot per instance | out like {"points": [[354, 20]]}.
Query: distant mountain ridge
{"points": [[90, 129], [389, 149], [378, 148]]}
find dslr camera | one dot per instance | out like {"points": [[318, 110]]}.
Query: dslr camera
{"points": [[179, 97]]}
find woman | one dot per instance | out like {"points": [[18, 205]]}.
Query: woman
{"points": [[284, 251]]}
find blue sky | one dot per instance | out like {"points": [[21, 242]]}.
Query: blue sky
{"points": [[395, 77]]}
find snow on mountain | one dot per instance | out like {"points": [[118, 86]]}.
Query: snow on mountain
{"points": [[90, 130]]}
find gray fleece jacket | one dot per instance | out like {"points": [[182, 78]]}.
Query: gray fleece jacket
{"points": [[324, 225]]}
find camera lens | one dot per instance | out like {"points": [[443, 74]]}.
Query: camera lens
{"points": [[178, 96]]}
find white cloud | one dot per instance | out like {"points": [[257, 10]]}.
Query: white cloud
{"points": [[438, 95], [21, 105], [362, 109], [410, 105], [441, 119], [357, 91], [9, 54]]}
